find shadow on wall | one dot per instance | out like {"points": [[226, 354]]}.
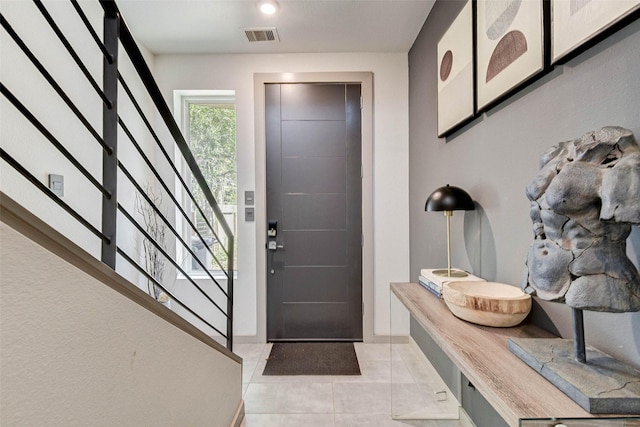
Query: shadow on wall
{"points": [[633, 251], [633, 246], [478, 240], [539, 316], [635, 329]]}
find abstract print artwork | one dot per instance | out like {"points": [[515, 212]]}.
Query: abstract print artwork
{"points": [[455, 72], [510, 45], [573, 22]]}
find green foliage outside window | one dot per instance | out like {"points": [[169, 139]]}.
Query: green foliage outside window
{"points": [[212, 139]]}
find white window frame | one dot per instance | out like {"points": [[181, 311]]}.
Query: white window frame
{"points": [[182, 100]]}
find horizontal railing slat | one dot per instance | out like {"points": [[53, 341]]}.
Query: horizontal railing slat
{"points": [[142, 271], [141, 191], [72, 52], [52, 139], [40, 186], [56, 87], [164, 186], [91, 31], [168, 257], [171, 164]]}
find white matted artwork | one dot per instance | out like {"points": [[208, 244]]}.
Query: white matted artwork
{"points": [[574, 22], [510, 45], [455, 72]]}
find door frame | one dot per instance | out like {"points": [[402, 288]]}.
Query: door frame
{"points": [[365, 79]]}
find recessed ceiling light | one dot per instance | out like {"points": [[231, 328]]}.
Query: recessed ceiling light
{"points": [[268, 7]]}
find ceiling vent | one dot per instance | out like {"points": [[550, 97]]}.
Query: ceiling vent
{"points": [[262, 34]]}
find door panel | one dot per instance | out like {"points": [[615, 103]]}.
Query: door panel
{"points": [[315, 284], [313, 138], [319, 211], [313, 102], [305, 320], [314, 277], [312, 175], [326, 247]]}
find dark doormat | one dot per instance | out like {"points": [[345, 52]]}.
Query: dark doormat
{"points": [[312, 358]]}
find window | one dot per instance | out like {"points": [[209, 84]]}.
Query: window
{"points": [[209, 126]]}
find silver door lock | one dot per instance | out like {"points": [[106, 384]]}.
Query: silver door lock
{"points": [[272, 246]]}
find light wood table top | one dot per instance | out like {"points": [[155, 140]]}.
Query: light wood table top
{"points": [[509, 385]]}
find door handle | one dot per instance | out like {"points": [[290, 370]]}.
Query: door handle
{"points": [[272, 246]]}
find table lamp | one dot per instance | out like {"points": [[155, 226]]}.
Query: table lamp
{"points": [[449, 199]]}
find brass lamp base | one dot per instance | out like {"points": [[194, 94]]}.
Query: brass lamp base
{"points": [[454, 273]]}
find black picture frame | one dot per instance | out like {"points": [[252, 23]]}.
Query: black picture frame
{"points": [[514, 55], [456, 73], [575, 29]]}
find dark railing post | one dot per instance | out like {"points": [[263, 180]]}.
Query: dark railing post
{"points": [[110, 136], [230, 284]]}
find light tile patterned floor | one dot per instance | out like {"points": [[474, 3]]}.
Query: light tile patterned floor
{"points": [[364, 400]]}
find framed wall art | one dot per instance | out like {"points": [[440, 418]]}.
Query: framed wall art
{"points": [[455, 73], [510, 46], [576, 22]]}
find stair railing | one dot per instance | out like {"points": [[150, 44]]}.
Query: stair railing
{"points": [[116, 34]]}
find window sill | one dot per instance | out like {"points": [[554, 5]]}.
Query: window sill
{"points": [[199, 275]]}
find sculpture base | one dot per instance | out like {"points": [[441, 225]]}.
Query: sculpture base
{"points": [[603, 385]]}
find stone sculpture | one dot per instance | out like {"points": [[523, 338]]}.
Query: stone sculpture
{"points": [[583, 204]]}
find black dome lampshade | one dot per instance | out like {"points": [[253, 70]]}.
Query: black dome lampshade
{"points": [[448, 199]]}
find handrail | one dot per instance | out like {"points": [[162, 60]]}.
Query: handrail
{"points": [[117, 34]]}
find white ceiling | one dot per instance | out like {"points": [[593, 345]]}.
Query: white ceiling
{"points": [[304, 26]]}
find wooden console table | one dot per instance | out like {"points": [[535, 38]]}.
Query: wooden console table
{"points": [[511, 387]]}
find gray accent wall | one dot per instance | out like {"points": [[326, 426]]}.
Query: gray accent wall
{"points": [[496, 156]]}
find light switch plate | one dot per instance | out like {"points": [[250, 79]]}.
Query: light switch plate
{"points": [[56, 184], [249, 214], [249, 198]]}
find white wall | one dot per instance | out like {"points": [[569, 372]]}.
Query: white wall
{"points": [[77, 353], [390, 157]]}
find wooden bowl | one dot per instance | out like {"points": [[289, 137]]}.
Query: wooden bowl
{"points": [[487, 303]]}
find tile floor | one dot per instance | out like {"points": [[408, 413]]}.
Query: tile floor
{"points": [[395, 379]]}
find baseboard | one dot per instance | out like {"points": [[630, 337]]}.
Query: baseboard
{"points": [[239, 415], [377, 339], [246, 339], [465, 419], [389, 339]]}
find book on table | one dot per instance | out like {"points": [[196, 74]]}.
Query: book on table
{"points": [[434, 283]]}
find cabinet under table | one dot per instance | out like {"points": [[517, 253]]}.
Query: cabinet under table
{"points": [[514, 390]]}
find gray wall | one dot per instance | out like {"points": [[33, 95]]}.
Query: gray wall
{"points": [[496, 156]]}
